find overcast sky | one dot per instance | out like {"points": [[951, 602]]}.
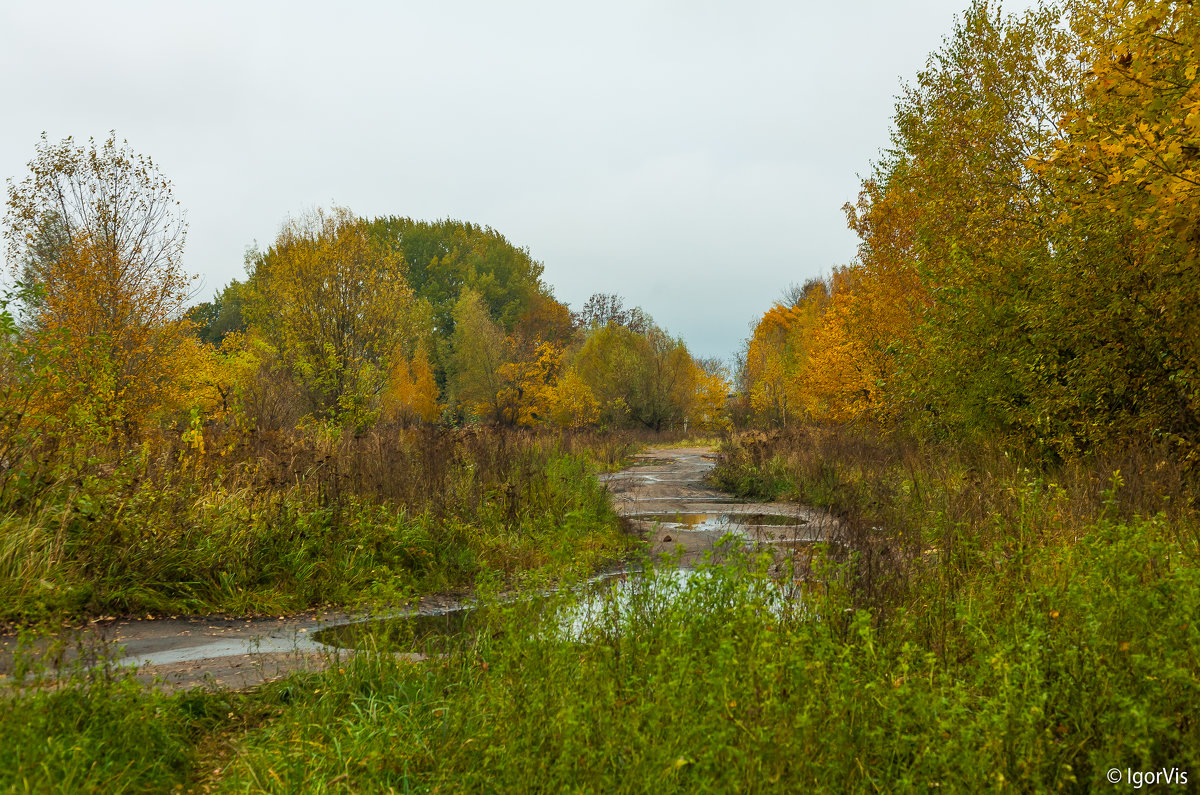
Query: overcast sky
{"points": [[690, 156]]}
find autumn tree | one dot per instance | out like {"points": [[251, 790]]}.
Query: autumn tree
{"points": [[1028, 244], [642, 379], [336, 305], [777, 352], [868, 321], [95, 233], [1121, 298], [545, 319], [493, 375], [933, 320], [412, 396], [478, 351], [529, 384], [708, 406], [571, 402], [1046, 171], [448, 257]]}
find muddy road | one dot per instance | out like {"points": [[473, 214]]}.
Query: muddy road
{"points": [[663, 495]]}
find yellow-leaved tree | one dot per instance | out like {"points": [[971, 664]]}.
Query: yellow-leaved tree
{"points": [[412, 394], [335, 304], [572, 404], [777, 355], [95, 237], [708, 412]]}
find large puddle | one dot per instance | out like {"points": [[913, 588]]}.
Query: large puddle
{"points": [[611, 605], [758, 526], [420, 634]]}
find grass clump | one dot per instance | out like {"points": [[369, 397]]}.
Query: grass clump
{"points": [[88, 731]]}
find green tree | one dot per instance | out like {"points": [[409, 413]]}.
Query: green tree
{"points": [[645, 379], [221, 316], [447, 257], [478, 352]]}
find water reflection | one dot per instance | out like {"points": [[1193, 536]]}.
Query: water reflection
{"points": [[607, 606]]}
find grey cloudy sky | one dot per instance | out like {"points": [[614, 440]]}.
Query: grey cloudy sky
{"points": [[690, 156]]}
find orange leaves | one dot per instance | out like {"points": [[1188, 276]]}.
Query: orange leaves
{"points": [[872, 313], [832, 355], [412, 396], [1028, 249], [778, 352], [96, 230]]}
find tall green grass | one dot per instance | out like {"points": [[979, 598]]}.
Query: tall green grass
{"points": [[713, 690], [708, 685]]}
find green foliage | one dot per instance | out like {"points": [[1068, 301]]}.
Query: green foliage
{"points": [[478, 351], [1036, 630], [224, 314], [444, 258], [94, 736], [711, 685], [643, 378]]}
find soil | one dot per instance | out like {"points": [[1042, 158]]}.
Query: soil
{"points": [[663, 497]]}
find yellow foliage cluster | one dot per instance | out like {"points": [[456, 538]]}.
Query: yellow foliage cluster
{"points": [[1028, 247], [412, 395], [527, 389]]}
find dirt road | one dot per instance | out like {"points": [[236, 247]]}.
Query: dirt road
{"points": [[683, 519], [663, 495]]}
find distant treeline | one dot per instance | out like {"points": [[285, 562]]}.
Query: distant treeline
{"points": [[342, 322], [421, 322]]}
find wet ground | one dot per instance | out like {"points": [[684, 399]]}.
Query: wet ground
{"points": [[210, 651], [663, 496]]}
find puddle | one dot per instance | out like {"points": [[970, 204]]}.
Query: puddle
{"points": [[432, 633], [728, 522], [705, 499], [606, 601], [619, 601], [233, 647], [425, 633], [608, 605]]}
